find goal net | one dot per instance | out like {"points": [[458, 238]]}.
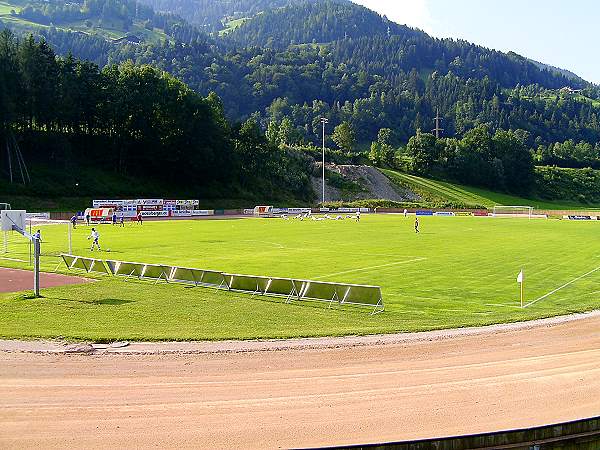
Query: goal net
{"points": [[513, 211], [55, 239]]}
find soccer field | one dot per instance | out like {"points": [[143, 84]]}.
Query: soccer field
{"points": [[459, 271]]}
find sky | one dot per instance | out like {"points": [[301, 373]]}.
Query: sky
{"points": [[561, 33]]}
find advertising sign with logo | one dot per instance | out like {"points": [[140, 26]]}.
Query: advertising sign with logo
{"points": [[190, 203], [155, 213]]}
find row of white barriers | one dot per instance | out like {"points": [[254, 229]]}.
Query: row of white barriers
{"points": [[291, 289]]}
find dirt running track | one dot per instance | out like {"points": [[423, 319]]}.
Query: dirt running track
{"points": [[16, 280], [296, 398]]}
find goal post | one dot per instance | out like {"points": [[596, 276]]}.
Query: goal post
{"points": [[513, 211], [56, 238]]}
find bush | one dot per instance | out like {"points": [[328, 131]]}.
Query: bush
{"points": [[554, 183]]}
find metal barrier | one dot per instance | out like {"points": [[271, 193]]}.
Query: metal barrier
{"points": [[198, 277], [289, 288], [296, 289], [89, 265]]}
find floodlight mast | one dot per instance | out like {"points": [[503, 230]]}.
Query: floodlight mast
{"points": [[324, 121]]}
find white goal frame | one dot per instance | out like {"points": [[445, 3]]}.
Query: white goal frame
{"points": [[513, 211]]}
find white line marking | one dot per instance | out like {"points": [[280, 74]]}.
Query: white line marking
{"points": [[370, 268], [563, 286], [12, 259]]}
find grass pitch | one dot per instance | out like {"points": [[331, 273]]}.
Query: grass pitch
{"points": [[459, 271]]}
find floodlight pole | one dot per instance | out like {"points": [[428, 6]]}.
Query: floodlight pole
{"points": [[324, 121]]}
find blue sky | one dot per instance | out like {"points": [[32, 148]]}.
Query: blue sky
{"points": [[562, 33]]}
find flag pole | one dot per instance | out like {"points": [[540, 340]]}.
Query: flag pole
{"points": [[522, 282]]}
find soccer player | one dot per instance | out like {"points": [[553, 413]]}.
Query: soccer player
{"points": [[358, 216], [74, 221], [405, 213], [38, 235], [114, 218], [140, 218], [417, 225], [87, 219], [122, 220], [95, 237]]}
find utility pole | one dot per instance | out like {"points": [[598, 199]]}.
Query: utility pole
{"points": [[324, 121], [437, 130]]}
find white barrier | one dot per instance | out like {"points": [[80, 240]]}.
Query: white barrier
{"points": [[89, 265], [289, 288]]}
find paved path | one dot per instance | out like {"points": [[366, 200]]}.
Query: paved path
{"points": [[15, 280], [461, 383]]}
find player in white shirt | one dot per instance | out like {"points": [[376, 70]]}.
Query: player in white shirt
{"points": [[95, 237]]}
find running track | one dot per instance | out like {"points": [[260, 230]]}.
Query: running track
{"points": [[295, 398]]}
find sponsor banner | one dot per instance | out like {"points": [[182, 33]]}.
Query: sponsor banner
{"points": [[365, 210], [480, 214], [348, 210], [444, 214], [424, 213], [463, 214], [182, 213], [280, 211], [203, 212], [324, 210], [149, 202], [579, 217], [150, 208], [107, 203], [170, 204], [155, 213], [299, 210], [190, 203], [113, 203], [249, 212], [43, 216]]}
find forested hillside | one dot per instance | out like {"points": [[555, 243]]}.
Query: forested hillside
{"points": [[67, 115], [211, 15], [279, 66]]}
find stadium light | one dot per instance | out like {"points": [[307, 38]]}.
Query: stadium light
{"points": [[324, 121]]}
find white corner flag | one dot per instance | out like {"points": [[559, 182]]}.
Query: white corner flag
{"points": [[520, 280]]}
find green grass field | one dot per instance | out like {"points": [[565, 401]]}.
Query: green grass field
{"points": [[460, 271], [441, 190]]}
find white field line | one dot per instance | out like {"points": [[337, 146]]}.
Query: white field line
{"points": [[563, 286], [364, 269], [12, 259]]}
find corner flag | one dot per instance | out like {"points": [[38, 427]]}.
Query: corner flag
{"points": [[520, 280]]}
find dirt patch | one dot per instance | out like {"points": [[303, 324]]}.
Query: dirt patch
{"points": [[465, 384], [15, 280], [373, 183]]}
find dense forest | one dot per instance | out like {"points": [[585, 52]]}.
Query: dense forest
{"points": [[281, 65], [211, 15], [134, 121]]}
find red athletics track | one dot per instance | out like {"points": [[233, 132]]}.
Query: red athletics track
{"points": [[15, 280]]}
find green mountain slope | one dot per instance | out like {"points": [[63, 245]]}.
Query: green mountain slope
{"points": [[435, 191], [115, 21]]}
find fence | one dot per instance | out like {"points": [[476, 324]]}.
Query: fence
{"points": [[289, 288]]}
